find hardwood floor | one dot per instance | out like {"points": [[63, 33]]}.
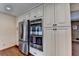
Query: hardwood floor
{"points": [[75, 48], [13, 51]]}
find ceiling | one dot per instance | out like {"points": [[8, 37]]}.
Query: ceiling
{"points": [[17, 8]]}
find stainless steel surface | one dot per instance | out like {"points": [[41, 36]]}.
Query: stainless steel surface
{"points": [[23, 42]]}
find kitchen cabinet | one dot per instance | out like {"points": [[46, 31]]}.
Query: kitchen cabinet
{"points": [[63, 41], [57, 13], [48, 15], [57, 42], [27, 16], [49, 42], [57, 18], [62, 14], [36, 13]]}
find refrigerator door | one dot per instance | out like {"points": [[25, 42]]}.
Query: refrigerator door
{"points": [[21, 30], [24, 43], [25, 37], [23, 46]]}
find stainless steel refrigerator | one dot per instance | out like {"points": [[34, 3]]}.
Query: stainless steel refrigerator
{"points": [[24, 37]]}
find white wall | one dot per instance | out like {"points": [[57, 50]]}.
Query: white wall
{"points": [[7, 31]]}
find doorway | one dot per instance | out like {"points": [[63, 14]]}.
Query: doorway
{"points": [[75, 38]]}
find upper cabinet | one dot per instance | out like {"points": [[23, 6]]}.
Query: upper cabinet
{"points": [[27, 16], [57, 14], [62, 14], [24, 17], [36, 13], [48, 15]]}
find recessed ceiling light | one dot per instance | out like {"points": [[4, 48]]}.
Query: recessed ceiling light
{"points": [[8, 7]]}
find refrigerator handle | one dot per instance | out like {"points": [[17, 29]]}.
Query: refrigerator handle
{"points": [[28, 26]]}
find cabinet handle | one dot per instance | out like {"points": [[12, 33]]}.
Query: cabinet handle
{"points": [[55, 29], [54, 24], [35, 16], [34, 52]]}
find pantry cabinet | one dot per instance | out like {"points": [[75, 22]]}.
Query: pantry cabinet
{"points": [[58, 38]]}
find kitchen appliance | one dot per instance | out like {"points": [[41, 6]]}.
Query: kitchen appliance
{"points": [[36, 34], [24, 37], [30, 34]]}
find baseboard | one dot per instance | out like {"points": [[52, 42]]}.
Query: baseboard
{"points": [[8, 47]]}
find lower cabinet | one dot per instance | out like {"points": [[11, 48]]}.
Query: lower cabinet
{"points": [[49, 42], [63, 41], [57, 42]]}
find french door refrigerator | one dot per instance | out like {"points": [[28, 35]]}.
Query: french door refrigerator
{"points": [[24, 37]]}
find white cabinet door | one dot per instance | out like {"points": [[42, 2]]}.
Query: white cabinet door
{"points": [[27, 16], [62, 14], [63, 41], [36, 13], [32, 14], [49, 42], [39, 11], [48, 15]]}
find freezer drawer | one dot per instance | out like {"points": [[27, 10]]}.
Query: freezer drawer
{"points": [[23, 46]]}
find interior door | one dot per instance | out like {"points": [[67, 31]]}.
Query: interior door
{"points": [[63, 41], [49, 42]]}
